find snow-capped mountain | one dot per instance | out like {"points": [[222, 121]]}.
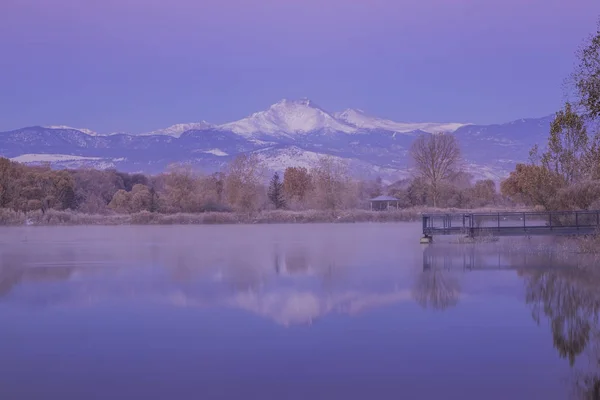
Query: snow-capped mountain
{"points": [[359, 119], [178, 129], [63, 127], [288, 133], [287, 118]]}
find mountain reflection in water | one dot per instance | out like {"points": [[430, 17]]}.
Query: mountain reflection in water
{"points": [[294, 280]]}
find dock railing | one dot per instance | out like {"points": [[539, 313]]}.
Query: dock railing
{"points": [[512, 223]]}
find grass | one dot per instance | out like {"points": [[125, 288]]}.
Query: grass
{"points": [[54, 217], [589, 244]]}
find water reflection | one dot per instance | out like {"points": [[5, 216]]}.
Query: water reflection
{"points": [[437, 289], [300, 280], [562, 291], [570, 300]]}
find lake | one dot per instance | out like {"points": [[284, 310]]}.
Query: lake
{"points": [[338, 311]]}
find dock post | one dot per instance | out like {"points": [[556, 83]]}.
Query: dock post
{"points": [[426, 240]]}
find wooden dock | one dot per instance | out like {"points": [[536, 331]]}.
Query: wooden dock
{"points": [[512, 223]]}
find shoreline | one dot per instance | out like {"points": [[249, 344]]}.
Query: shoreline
{"points": [[65, 218]]}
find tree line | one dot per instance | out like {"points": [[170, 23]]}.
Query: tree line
{"points": [[240, 187]]}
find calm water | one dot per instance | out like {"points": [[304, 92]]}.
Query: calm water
{"points": [[359, 311]]}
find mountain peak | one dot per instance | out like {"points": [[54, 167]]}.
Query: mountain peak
{"points": [[288, 117], [304, 101]]}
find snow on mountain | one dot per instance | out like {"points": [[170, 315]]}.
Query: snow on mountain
{"points": [[288, 117], [216, 152], [84, 130], [68, 161], [40, 158], [280, 158], [178, 129], [361, 120]]}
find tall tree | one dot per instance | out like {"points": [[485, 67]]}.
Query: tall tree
{"points": [[586, 76], [332, 186], [242, 186], [296, 183], [568, 146], [141, 198], [121, 202], [182, 189], [154, 204], [437, 159], [276, 192]]}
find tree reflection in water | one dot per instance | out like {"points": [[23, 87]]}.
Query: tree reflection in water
{"points": [[14, 270], [570, 299], [437, 289], [586, 381], [563, 290], [571, 306], [437, 286]]}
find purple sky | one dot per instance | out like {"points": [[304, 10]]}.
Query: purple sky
{"points": [[137, 65]]}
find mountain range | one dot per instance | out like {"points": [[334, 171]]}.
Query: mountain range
{"points": [[288, 133]]}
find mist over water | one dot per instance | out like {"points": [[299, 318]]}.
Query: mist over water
{"points": [[348, 311]]}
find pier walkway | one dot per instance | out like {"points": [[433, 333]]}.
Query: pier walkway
{"points": [[512, 223]]}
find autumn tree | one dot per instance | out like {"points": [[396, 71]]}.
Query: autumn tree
{"points": [[332, 187], [242, 183], [9, 172], [182, 192], [121, 202], [533, 185], [296, 183], [141, 198], [437, 159], [63, 189], [275, 192]]}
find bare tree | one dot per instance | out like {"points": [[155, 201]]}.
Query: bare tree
{"points": [[243, 183], [332, 187], [182, 189], [437, 159]]}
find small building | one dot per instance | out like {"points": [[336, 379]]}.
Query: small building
{"points": [[382, 203]]}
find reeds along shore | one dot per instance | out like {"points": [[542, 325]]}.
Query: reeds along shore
{"points": [[54, 217]]}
